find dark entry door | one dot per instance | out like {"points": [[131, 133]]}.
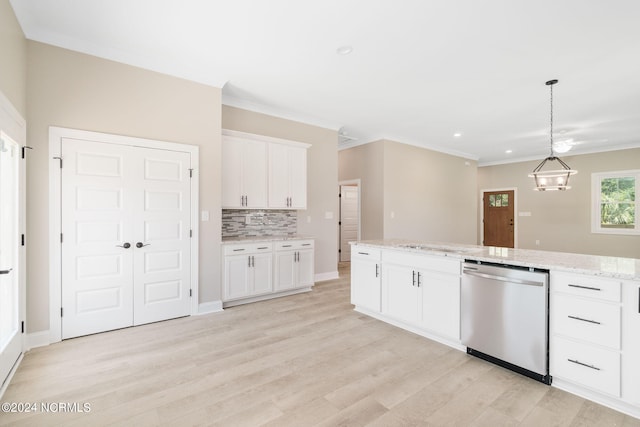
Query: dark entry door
{"points": [[498, 218]]}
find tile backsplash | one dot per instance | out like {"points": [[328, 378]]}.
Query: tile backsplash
{"points": [[260, 223]]}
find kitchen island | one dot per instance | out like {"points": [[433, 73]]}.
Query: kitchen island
{"points": [[594, 307]]}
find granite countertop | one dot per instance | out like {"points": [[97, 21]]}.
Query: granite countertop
{"points": [[605, 266], [258, 239]]}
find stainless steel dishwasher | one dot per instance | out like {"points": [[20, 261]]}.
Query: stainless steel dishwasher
{"points": [[504, 316]]}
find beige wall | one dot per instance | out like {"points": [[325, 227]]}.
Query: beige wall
{"points": [[561, 221], [365, 162], [322, 172], [74, 90], [13, 64], [431, 194]]}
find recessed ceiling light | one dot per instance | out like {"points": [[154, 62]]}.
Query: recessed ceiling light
{"points": [[344, 50], [509, 151], [457, 134]]}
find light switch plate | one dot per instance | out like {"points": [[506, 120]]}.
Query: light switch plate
{"points": [[204, 216]]}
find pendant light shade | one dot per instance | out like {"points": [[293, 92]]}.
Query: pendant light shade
{"points": [[556, 178]]}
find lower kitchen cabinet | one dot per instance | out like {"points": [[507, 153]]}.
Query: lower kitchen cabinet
{"points": [[294, 265], [631, 343], [366, 278], [424, 291], [248, 271], [255, 271], [400, 292], [441, 303], [585, 331]]}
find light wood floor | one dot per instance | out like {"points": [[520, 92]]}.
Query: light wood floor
{"points": [[303, 360]]}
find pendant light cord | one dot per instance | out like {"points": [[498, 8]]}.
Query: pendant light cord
{"points": [[551, 121]]}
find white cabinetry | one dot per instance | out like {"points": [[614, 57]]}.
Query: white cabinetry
{"points": [[244, 173], [631, 343], [365, 278], [247, 270], [260, 172], [294, 264], [422, 290], [287, 177], [262, 270], [585, 331]]}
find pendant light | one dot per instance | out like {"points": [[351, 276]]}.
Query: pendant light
{"points": [[557, 179]]}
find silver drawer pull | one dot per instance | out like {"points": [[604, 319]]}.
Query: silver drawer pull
{"points": [[237, 250], [264, 247], [306, 244], [584, 320], [583, 364], [286, 246], [583, 287], [363, 253]]}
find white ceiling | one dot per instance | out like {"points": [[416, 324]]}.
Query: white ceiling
{"points": [[420, 70]]}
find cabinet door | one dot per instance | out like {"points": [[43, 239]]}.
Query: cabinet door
{"points": [[305, 268], [254, 174], [236, 277], [400, 293], [279, 171], [298, 177], [631, 343], [441, 303], [285, 276], [262, 273], [365, 283], [232, 191]]}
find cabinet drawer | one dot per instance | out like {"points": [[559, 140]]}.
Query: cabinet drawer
{"points": [[588, 365], [586, 286], [423, 262], [249, 248], [290, 245], [589, 320], [365, 253]]}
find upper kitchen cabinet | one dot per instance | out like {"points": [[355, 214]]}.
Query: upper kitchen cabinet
{"points": [[244, 173], [260, 172], [287, 176]]}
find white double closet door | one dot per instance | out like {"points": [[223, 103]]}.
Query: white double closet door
{"points": [[125, 217]]}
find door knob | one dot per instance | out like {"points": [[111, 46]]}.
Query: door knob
{"points": [[126, 245], [140, 244], [6, 271]]}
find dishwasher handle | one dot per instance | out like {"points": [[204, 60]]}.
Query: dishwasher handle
{"points": [[502, 278]]}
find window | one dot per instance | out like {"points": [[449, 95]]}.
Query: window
{"points": [[499, 200], [614, 203]]}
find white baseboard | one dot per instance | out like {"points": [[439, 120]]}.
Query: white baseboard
{"points": [[37, 339], [209, 307], [3, 387], [331, 275]]}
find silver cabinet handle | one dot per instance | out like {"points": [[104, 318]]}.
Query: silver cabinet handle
{"points": [[363, 253], [584, 287], [249, 261], [584, 320], [6, 271], [584, 364], [418, 279], [377, 270], [414, 278]]}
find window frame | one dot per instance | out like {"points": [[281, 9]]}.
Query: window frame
{"points": [[596, 191]]}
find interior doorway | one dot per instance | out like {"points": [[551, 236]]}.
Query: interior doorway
{"points": [[498, 218], [349, 222], [12, 239]]}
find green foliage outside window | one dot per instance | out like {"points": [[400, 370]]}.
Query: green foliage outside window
{"points": [[617, 197]]}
